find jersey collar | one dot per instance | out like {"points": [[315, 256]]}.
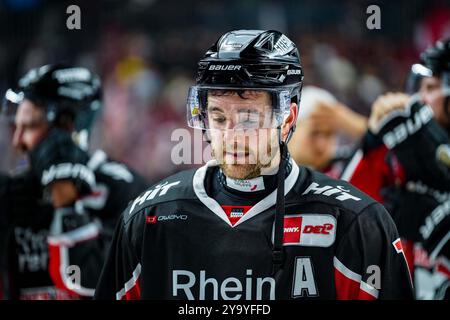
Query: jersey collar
{"points": [[262, 184], [246, 185], [214, 206]]}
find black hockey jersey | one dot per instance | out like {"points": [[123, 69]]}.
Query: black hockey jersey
{"points": [[176, 242], [403, 166], [42, 244]]}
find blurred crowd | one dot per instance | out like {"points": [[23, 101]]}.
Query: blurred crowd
{"points": [[145, 53]]}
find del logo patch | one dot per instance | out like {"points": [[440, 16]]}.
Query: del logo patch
{"points": [[312, 230]]}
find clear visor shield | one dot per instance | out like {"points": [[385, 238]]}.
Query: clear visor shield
{"points": [[237, 108], [417, 73], [10, 104]]}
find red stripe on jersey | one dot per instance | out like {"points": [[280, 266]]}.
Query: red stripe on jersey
{"points": [[398, 245], [369, 174], [442, 268], [131, 289], [54, 268], [134, 293], [54, 264], [349, 289], [363, 295], [373, 173], [346, 288], [408, 251]]}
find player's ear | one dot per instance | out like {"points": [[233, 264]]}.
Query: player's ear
{"points": [[290, 121]]}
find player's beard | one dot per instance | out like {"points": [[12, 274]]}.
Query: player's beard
{"points": [[243, 171], [254, 163]]}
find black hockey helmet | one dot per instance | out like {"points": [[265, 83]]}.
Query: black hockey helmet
{"points": [[437, 57], [435, 62], [65, 92], [251, 58], [417, 72], [248, 59]]}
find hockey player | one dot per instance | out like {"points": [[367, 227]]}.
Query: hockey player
{"points": [[404, 163], [251, 224], [324, 122], [59, 213]]}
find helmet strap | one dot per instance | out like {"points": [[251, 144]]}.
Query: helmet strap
{"points": [[278, 251], [446, 88]]}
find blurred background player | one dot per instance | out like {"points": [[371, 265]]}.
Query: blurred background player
{"points": [[62, 209], [404, 163], [326, 130]]}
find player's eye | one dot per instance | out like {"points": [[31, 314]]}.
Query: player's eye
{"points": [[250, 122], [219, 119]]}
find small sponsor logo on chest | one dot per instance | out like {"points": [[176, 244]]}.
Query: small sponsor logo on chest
{"points": [[163, 218], [314, 230], [237, 213]]}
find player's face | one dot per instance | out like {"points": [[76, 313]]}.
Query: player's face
{"points": [[428, 87], [30, 126], [315, 144], [241, 140], [431, 93]]}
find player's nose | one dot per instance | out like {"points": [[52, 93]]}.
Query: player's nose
{"points": [[17, 140]]}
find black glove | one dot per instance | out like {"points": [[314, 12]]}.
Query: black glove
{"points": [[414, 137], [57, 157]]}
